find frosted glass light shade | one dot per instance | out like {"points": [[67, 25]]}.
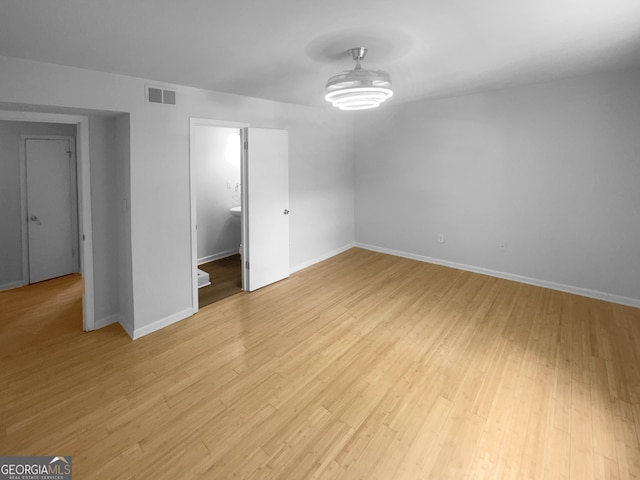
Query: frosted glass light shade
{"points": [[358, 89]]}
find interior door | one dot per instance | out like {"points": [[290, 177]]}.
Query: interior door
{"points": [[266, 222], [51, 208]]}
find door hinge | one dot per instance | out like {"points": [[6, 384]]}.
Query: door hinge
{"points": [[246, 264], [246, 145], [69, 153]]}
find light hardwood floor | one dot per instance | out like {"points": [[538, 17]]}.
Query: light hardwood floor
{"points": [[365, 366]]}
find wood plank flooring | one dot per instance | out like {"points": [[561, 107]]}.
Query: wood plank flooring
{"points": [[365, 366], [226, 280]]}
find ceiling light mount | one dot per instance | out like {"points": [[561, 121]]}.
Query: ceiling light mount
{"points": [[358, 89], [358, 53]]}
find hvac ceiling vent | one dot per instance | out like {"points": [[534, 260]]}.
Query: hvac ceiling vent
{"points": [[160, 95]]}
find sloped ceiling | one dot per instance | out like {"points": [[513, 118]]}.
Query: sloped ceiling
{"points": [[285, 50]]}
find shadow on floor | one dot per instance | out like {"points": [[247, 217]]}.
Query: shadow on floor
{"points": [[226, 280]]}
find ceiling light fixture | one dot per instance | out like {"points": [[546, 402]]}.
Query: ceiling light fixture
{"points": [[358, 89]]}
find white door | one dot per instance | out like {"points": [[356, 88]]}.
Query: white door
{"points": [[266, 232], [51, 208]]}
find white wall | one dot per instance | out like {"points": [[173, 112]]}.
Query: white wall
{"points": [[551, 169], [216, 157], [321, 180], [321, 171], [109, 222], [10, 204], [122, 205], [107, 228]]}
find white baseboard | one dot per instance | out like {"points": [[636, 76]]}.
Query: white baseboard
{"points": [[159, 324], [10, 285], [165, 322], [106, 321], [585, 292], [127, 328], [321, 258], [218, 256]]}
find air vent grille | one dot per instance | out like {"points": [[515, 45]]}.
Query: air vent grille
{"points": [[169, 97], [160, 95], [154, 95]]}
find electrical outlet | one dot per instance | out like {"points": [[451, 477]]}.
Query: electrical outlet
{"points": [[504, 248], [441, 238]]}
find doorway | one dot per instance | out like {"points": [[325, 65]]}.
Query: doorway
{"points": [[84, 247], [264, 207], [216, 160], [50, 245]]}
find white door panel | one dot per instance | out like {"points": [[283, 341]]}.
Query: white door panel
{"points": [[51, 212], [266, 206]]}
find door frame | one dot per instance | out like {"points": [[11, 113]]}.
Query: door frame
{"points": [[26, 276], [83, 186], [210, 122]]}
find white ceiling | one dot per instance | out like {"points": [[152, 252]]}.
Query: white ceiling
{"points": [[286, 49]]}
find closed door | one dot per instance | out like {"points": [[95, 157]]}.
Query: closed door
{"points": [[266, 203], [51, 208]]}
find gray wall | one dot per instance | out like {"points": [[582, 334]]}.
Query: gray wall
{"points": [[321, 172], [10, 213], [108, 150], [551, 169], [122, 204]]}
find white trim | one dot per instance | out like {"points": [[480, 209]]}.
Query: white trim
{"points": [[585, 292], [322, 257], [210, 122], [106, 321], [126, 327], [160, 324], [244, 201], [24, 229], [83, 166], [218, 256], [198, 122], [85, 220], [10, 285], [194, 221]]}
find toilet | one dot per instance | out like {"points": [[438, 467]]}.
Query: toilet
{"points": [[203, 279]]}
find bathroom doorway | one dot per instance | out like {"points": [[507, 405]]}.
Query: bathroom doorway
{"points": [[216, 162], [263, 211]]}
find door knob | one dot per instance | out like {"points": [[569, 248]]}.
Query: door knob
{"points": [[33, 218], [286, 212]]}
